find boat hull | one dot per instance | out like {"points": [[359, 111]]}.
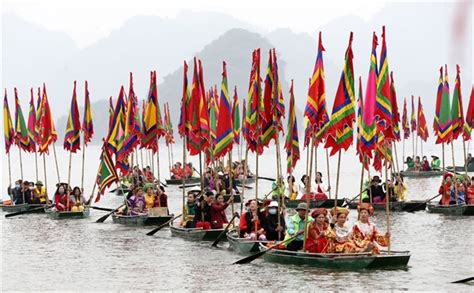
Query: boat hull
{"points": [[397, 206], [242, 245], [421, 174], [328, 203], [469, 210], [455, 210], [470, 168], [138, 220], [191, 180], [52, 214], [339, 261], [23, 208], [194, 234], [248, 180]]}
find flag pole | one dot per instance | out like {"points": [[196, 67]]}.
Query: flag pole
{"points": [[413, 145], [141, 157], [45, 177], [183, 181], [421, 146], [454, 171], [244, 178], [396, 157], [308, 193], [69, 179], [10, 175], [329, 177], [158, 160], [200, 171], [36, 165], [362, 179], [442, 146], [465, 157], [231, 183], [387, 202], [403, 154], [169, 159], [337, 177], [21, 170], [56, 161], [83, 163], [172, 159], [416, 145]]}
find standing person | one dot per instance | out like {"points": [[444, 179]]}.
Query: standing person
{"points": [[435, 163], [270, 223], [217, 212], [339, 234], [445, 189], [317, 242], [321, 188], [251, 223], [296, 226], [365, 235]]}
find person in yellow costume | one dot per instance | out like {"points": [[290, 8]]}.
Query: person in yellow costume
{"points": [[39, 193]]}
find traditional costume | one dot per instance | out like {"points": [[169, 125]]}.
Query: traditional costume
{"points": [[365, 236], [339, 237], [317, 242], [445, 189]]}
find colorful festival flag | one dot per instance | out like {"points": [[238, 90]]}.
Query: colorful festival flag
{"points": [[106, 174], [225, 131], [315, 110], [169, 138], [22, 139], [266, 104], [457, 112], [72, 138], [183, 124], [413, 114], [236, 117], [87, 125], [132, 122], [47, 131], [422, 130], [395, 113], [292, 145], [360, 107], [253, 130], [443, 119], [32, 122], [368, 130], [8, 131], [405, 125], [150, 118], [469, 123], [278, 104]]}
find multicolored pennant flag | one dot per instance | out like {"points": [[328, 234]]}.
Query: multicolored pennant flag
{"points": [[382, 153], [315, 110], [183, 124], [132, 122], [8, 131], [292, 145], [457, 112], [225, 130], [150, 118], [413, 114], [340, 130], [213, 116], [383, 100], [278, 99], [469, 123], [405, 125], [22, 138], [111, 111], [116, 137], [203, 113], [439, 96], [395, 113], [245, 131], [422, 130], [87, 125], [236, 117], [444, 123], [368, 130], [32, 122], [266, 104], [169, 138], [47, 134], [360, 107], [106, 174], [38, 116], [72, 138], [252, 116]]}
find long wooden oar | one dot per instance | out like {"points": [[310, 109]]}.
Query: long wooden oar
{"points": [[103, 218], [251, 258], [152, 232], [236, 215], [102, 209], [463, 280], [266, 178], [354, 198], [27, 211], [425, 202]]}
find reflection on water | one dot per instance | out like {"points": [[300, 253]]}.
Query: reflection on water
{"points": [[43, 254]]}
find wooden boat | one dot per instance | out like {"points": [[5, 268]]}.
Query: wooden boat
{"points": [[456, 210], [248, 180], [421, 174], [56, 215], [469, 210], [470, 168], [396, 206], [242, 245], [328, 203], [180, 181], [140, 220], [352, 261], [196, 234], [23, 208]]}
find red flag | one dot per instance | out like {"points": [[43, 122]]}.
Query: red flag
{"points": [[47, 134], [87, 125], [422, 130], [72, 137]]}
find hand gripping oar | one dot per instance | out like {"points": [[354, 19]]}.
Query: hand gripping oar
{"points": [[152, 232], [103, 218], [354, 198], [425, 202], [27, 211], [236, 215], [251, 258], [463, 280]]}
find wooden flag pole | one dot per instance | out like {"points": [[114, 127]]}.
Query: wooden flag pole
{"points": [[36, 166], [231, 182], [10, 175], [307, 157], [21, 172], [69, 179], [421, 146], [416, 145], [141, 157], [396, 157], [442, 147], [45, 177], [200, 171], [153, 161], [361, 180], [184, 181], [56, 161], [169, 159], [83, 164], [172, 158], [315, 165], [329, 176], [370, 181], [403, 154], [158, 161], [387, 202], [465, 157], [308, 194], [337, 177], [242, 199], [454, 171], [413, 144]]}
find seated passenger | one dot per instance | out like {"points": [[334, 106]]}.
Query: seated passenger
{"points": [[296, 227], [39, 193], [251, 223], [339, 234], [136, 203], [77, 200], [217, 212], [61, 199], [273, 230], [316, 241], [365, 235]]}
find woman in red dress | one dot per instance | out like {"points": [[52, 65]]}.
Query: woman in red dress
{"points": [[445, 189], [218, 217], [317, 241]]}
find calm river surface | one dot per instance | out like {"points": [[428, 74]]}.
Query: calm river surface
{"points": [[77, 255]]}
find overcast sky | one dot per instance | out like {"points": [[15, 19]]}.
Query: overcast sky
{"points": [[87, 21]]}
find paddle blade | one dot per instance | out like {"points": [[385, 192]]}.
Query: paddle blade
{"points": [[103, 218], [251, 258], [23, 212], [153, 232], [463, 280]]}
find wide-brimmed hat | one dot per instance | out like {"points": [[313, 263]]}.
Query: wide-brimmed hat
{"points": [[39, 183], [434, 156], [302, 206], [366, 206]]}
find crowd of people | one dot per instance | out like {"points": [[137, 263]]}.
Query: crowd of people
{"points": [[457, 189], [28, 192], [178, 171], [423, 165], [69, 200]]}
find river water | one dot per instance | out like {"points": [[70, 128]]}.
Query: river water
{"points": [[76, 255]]}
